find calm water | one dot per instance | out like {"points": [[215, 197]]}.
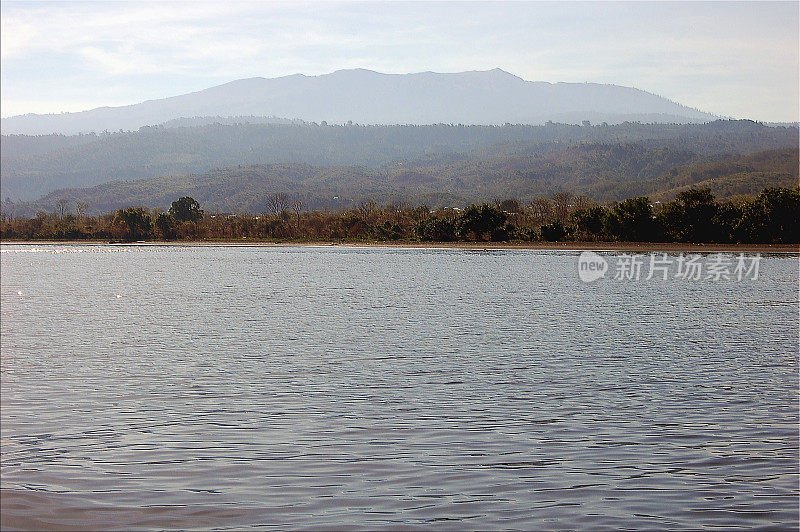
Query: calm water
{"points": [[301, 387]]}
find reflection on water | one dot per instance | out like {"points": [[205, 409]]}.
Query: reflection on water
{"points": [[160, 387]]}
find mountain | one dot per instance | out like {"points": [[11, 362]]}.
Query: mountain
{"points": [[367, 97], [603, 172], [35, 165], [32, 166]]}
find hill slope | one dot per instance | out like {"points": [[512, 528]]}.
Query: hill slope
{"points": [[367, 97], [34, 166], [604, 172]]}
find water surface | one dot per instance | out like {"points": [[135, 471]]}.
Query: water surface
{"points": [[302, 387]]}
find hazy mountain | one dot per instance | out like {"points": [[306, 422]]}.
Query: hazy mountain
{"points": [[366, 97], [603, 172], [32, 166]]}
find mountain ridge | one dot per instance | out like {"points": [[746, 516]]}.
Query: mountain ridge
{"points": [[490, 97]]}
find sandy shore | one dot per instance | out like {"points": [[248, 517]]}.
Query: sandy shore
{"points": [[633, 247]]}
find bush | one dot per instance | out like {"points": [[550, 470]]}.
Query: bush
{"points": [[132, 224], [633, 221], [480, 220], [436, 230], [553, 232]]}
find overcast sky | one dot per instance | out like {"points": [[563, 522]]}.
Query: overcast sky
{"points": [[731, 59]]}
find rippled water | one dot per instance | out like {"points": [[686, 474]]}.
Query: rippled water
{"points": [[302, 387]]}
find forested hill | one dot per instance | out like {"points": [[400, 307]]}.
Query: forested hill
{"points": [[33, 166], [363, 96], [603, 172]]}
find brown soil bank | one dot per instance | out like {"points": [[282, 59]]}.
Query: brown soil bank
{"points": [[633, 247]]}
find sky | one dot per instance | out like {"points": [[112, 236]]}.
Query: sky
{"points": [[737, 60]]}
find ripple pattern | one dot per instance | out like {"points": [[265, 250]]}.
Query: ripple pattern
{"points": [[330, 388]]}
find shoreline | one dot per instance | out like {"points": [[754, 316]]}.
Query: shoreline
{"points": [[473, 246]]}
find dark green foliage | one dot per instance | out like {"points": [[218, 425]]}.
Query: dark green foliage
{"points": [[510, 205], [500, 234], [186, 209], [165, 224], [689, 217], [728, 222], [589, 221], [133, 223], [436, 229], [482, 220], [632, 220], [351, 225], [553, 232], [773, 217], [525, 234]]}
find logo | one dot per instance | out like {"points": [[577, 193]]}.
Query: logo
{"points": [[632, 267], [591, 266]]}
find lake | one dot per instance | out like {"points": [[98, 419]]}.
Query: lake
{"points": [[360, 388]]}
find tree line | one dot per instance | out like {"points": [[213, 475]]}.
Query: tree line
{"points": [[695, 216]]}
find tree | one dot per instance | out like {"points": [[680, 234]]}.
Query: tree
{"points": [[589, 221], [774, 216], [63, 206], [553, 232], [133, 223], [482, 219], [297, 207], [278, 202], [562, 202], [582, 203], [690, 217], [542, 210], [436, 229], [728, 222], [165, 224], [367, 208], [511, 205], [782, 211], [186, 209], [388, 231], [632, 220]]}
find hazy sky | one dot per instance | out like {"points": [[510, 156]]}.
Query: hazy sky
{"points": [[732, 59]]}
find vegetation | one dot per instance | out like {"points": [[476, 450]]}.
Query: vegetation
{"points": [[633, 182], [605, 161], [604, 173], [694, 216], [132, 224]]}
